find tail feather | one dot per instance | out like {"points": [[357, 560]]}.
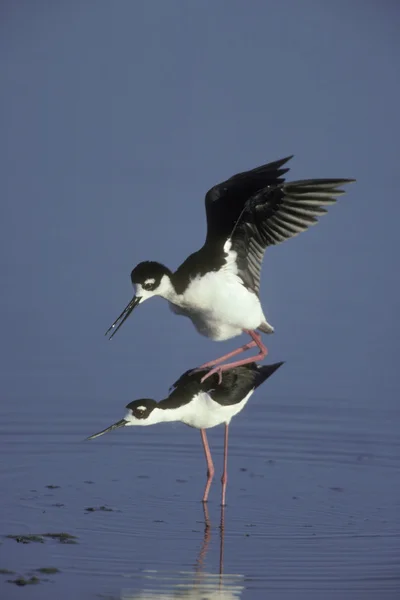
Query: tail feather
{"points": [[265, 371], [266, 328]]}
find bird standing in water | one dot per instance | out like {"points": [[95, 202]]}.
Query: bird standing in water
{"points": [[201, 404], [218, 286]]}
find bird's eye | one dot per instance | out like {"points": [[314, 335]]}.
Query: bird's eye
{"points": [[149, 284], [140, 412]]}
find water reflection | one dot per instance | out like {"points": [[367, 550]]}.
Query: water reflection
{"points": [[196, 584]]}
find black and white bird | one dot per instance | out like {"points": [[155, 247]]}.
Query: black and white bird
{"points": [[200, 404], [218, 286]]}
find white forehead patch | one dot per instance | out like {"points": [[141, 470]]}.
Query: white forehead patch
{"points": [[149, 281], [141, 408]]}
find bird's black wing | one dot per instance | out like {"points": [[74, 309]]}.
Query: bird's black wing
{"points": [[225, 201], [234, 387], [225, 204], [273, 215]]}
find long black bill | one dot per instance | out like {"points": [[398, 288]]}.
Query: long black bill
{"points": [[116, 425], [123, 316]]}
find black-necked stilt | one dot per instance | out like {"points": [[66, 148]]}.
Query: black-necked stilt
{"points": [[200, 404], [218, 286]]}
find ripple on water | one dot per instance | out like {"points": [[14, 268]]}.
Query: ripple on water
{"points": [[312, 502]]}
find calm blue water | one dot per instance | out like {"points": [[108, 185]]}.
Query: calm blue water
{"points": [[313, 504]]}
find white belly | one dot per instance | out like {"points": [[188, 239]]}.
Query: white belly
{"points": [[219, 306], [203, 413]]}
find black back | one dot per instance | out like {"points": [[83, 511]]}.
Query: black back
{"points": [[236, 384]]}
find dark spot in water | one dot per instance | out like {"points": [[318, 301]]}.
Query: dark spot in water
{"points": [[270, 461], [295, 497], [336, 489], [158, 521], [181, 480], [21, 581], [26, 539], [143, 477], [58, 504], [6, 572], [243, 469], [63, 538], [99, 509], [88, 481], [52, 487], [48, 570]]}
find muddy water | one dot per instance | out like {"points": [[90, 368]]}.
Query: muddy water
{"points": [[313, 504]]}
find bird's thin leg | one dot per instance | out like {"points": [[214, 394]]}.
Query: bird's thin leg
{"points": [[224, 478], [245, 361], [212, 363], [210, 465]]}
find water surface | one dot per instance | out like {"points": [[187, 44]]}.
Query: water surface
{"points": [[313, 504]]}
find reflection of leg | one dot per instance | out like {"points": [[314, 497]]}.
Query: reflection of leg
{"points": [[206, 540], [211, 363], [245, 361], [224, 478], [222, 536], [210, 465]]}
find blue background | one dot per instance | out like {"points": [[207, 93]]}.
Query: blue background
{"points": [[117, 118]]}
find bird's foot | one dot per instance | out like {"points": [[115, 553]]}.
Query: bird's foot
{"points": [[212, 372]]}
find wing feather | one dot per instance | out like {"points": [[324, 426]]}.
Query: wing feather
{"points": [[276, 214]]}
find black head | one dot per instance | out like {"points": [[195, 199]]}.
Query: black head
{"points": [[142, 408], [149, 279], [148, 275]]}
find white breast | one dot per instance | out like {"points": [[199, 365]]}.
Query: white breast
{"points": [[203, 412], [218, 303]]}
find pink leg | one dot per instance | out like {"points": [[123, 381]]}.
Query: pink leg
{"points": [[262, 354], [224, 478], [211, 363], [210, 466]]}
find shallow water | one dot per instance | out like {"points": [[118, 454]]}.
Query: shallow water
{"points": [[313, 504]]}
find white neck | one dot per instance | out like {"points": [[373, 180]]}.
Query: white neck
{"points": [[166, 289]]}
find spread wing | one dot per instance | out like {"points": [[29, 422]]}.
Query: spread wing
{"points": [[275, 214], [225, 201]]}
